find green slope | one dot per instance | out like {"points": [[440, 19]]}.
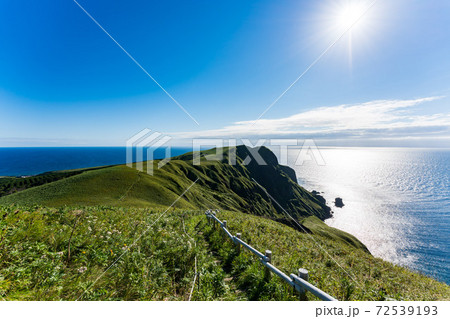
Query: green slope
{"points": [[10, 185], [220, 185], [318, 227], [99, 212], [35, 262]]}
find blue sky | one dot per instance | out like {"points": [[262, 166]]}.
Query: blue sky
{"points": [[64, 82]]}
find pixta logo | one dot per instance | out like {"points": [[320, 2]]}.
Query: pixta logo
{"points": [[148, 141], [300, 151], [141, 147]]}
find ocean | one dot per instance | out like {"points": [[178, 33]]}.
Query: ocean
{"points": [[24, 161], [397, 201]]}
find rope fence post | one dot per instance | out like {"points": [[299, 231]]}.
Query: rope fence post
{"points": [[268, 256], [238, 235], [303, 273], [299, 281], [224, 224]]}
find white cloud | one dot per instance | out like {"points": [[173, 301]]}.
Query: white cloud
{"points": [[382, 119]]}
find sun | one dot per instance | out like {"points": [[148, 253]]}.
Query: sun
{"points": [[350, 15], [350, 18], [349, 26]]}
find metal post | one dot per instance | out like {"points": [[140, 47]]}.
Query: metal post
{"points": [[268, 256], [303, 273], [214, 221], [238, 235]]}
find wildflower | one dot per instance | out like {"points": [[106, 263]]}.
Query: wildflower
{"points": [[82, 269], [84, 252], [90, 229], [109, 233], [60, 253], [77, 212]]}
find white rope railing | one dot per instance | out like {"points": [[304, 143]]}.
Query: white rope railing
{"points": [[298, 282]]}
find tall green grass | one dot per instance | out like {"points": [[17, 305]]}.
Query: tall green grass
{"points": [[35, 262]]}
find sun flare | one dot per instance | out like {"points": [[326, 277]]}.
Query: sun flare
{"points": [[350, 14]]}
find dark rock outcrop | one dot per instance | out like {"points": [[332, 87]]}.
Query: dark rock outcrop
{"points": [[338, 202], [244, 174]]}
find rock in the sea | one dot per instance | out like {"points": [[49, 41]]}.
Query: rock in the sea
{"points": [[338, 202]]}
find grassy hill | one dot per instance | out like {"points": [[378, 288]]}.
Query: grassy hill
{"points": [[220, 184], [60, 231], [11, 185], [59, 253]]}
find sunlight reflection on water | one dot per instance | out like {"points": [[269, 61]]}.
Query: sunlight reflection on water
{"points": [[397, 201]]}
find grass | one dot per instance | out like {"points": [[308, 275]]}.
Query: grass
{"points": [[229, 187], [338, 269], [60, 231], [318, 227], [35, 262], [11, 185]]}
